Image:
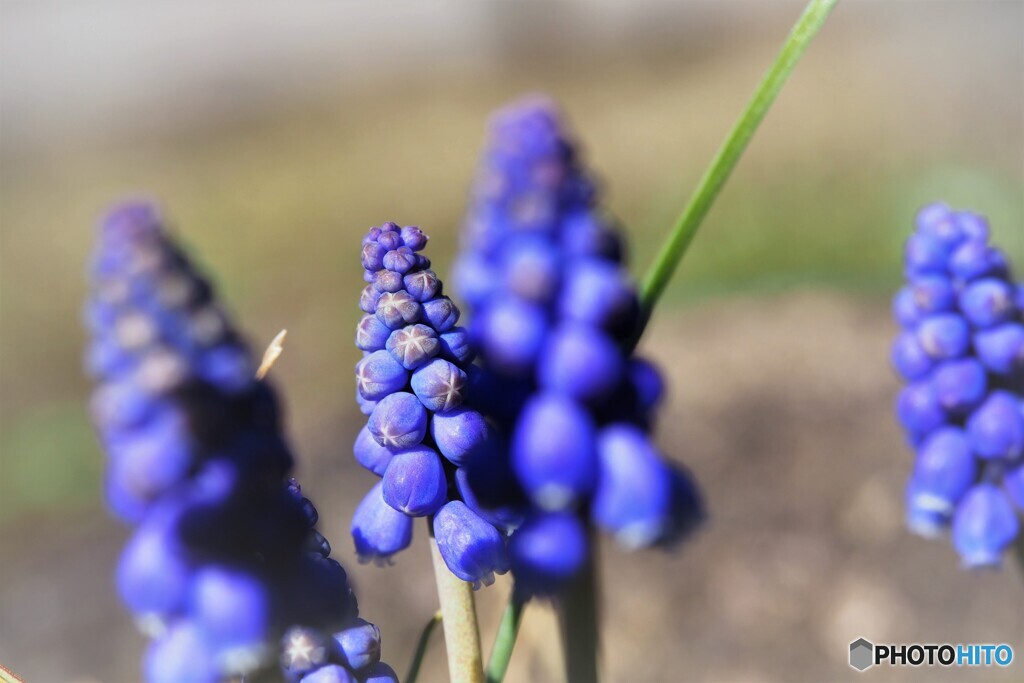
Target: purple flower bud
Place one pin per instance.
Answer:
(380, 673)
(598, 293)
(413, 346)
(687, 507)
(399, 421)
(987, 302)
(944, 470)
(227, 366)
(181, 655)
(546, 552)
(400, 260)
(332, 673)
(918, 408)
(397, 309)
(390, 241)
(1001, 348)
(531, 269)
(959, 384)
(984, 524)
(996, 427)
(553, 452)
(439, 385)
(378, 530)
(905, 310)
(580, 361)
(909, 358)
(973, 226)
(358, 645)
(441, 313)
(475, 279)
(371, 454)
(924, 520)
(975, 259)
(1013, 482)
(924, 254)
(945, 335)
(461, 434)
(303, 651)
(648, 382)
(456, 346)
(505, 517)
(938, 222)
(120, 403)
(633, 495)
(415, 482)
(230, 607)
(413, 237)
(152, 458)
(152, 574)
(933, 294)
(368, 299)
(372, 256)
(371, 334)
(423, 285)
(511, 334)
(380, 374)
(586, 234)
(388, 281)
(371, 235)
(471, 548)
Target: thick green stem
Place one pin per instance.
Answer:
(579, 619)
(458, 616)
(421, 648)
(501, 653)
(660, 272)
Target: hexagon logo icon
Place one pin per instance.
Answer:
(862, 654)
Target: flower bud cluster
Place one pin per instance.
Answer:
(553, 314)
(961, 352)
(413, 383)
(225, 555)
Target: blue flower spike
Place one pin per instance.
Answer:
(420, 427)
(226, 557)
(961, 348)
(552, 314)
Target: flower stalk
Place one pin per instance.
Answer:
(660, 272)
(579, 616)
(458, 616)
(505, 640)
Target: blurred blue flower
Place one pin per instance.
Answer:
(961, 350)
(225, 556)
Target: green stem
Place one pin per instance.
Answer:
(421, 648)
(579, 620)
(501, 653)
(660, 272)
(458, 616)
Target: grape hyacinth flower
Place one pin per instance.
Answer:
(225, 558)
(413, 382)
(961, 352)
(554, 312)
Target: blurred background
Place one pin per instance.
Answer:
(275, 134)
